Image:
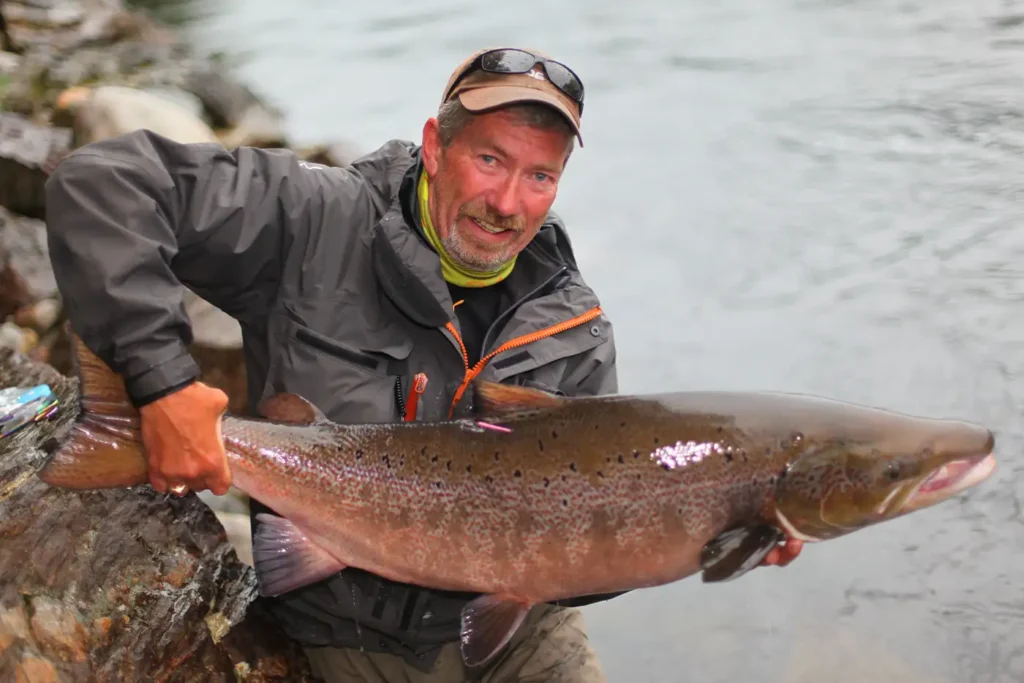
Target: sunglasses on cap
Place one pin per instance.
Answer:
(516, 61)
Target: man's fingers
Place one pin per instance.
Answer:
(782, 555)
(158, 482)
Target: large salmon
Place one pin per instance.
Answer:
(540, 498)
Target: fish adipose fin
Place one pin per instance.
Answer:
(286, 558)
(290, 409)
(488, 623)
(733, 553)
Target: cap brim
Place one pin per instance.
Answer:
(482, 99)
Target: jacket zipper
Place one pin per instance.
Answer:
(511, 309)
(471, 373)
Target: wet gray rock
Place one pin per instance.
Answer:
(240, 116)
(26, 277)
(120, 585)
(28, 152)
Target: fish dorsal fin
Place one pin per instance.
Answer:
(290, 409)
(494, 400)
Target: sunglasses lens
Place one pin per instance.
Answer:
(507, 61)
(565, 80)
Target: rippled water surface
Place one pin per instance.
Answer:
(822, 197)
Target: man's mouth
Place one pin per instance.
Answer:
(487, 227)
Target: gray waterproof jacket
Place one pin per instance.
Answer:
(339, 298)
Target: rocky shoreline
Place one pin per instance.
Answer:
(73, 72)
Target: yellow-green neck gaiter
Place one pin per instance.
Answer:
(452, 272)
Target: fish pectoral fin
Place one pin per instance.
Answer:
(488, 623)
(494, 400)
(733, 553)
(286, 558)
(290, 409)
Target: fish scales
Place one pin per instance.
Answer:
(563, 495)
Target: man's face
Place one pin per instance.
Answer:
(491, 189)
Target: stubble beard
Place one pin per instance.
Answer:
(462, 251)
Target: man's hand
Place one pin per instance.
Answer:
(781, 555)
(182, 435)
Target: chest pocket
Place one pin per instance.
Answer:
(353, 372)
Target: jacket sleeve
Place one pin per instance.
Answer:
(133, 220)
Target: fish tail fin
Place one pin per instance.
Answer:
(104, 446)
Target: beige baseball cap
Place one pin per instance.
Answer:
(482, 90)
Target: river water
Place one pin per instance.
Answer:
(815, 196)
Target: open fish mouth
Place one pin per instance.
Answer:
(952, 478)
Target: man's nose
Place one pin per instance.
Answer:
(505, 198)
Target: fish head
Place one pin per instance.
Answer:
(836, 486)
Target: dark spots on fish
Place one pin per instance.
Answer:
(437, 484)
(547, 482)
(892, 471)
(638, 477)
(655, 441)
(664, 466)
(469, 469)
(433, 458)
(518, 474)
(720, 429)
(359, 455)
(728, 456)
(767, 450)
(497, 454)
(600, 474)
(448, 465)
(563, 477)
(423, 451)
(540, 445)
(572, 466)
(622, 425)
(386, 460)
(636, 454)
(554, 434)
(489, 479)
(622, 460)
(401, 461)
(565, 503)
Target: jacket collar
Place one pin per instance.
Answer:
(409, 270)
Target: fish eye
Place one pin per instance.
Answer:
(892, 470)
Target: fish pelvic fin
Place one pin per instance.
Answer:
(285, 558)
(290, 409)
(104, 446)
(488, 623)
(494, 400)
(733, 553)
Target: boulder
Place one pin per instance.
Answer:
(123, 584)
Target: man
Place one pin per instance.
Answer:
(377, 291)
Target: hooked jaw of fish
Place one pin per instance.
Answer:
(842, 488)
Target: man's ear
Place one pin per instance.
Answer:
(431, 147)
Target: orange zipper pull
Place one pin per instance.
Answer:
(419, 385)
